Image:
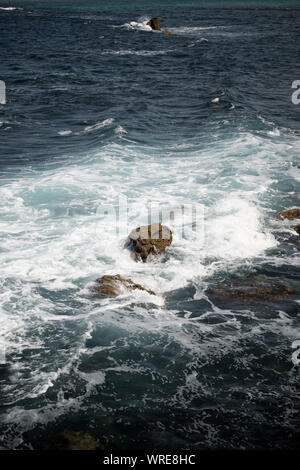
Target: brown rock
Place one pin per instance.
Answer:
(109, 286)
(74, 440)
(154, 23)
(297, 228)
(253, 288)
(290, 214)
(148, 241)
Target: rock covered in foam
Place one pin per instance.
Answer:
(147, 241)
(111, 286)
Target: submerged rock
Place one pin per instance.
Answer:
(154, 23)
(110, 286)
(254, 288)
(148, 241)
(74, 440)
(290, 214)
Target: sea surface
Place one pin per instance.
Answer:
(103, 113)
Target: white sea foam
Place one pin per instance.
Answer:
(65, 132)
(99, 125)
(10, 8)
(296, 354)
(198, 30)
(54, 241)
(274, 133)
(136, 52)
(87, 129)
(140, 24)
(119, 130)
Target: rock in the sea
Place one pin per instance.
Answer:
(254, 288)
(74, 440)
(111, 286)
(148, 241)
(154, 23)
(297, 228)
(290, 214)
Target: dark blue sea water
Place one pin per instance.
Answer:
(97, 107)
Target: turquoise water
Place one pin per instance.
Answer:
(99, 107)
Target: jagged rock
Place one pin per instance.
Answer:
(253, 288)
(154, 23)
(297, 228)
(74, 440)
(290, 214)
(110, 286)
(148, 241)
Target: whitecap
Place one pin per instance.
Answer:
(10, 8)
(296, 354)
(99, 125)
(119, 130)
(140, 24)
(135, 52)
(65, 132)
(274, 133)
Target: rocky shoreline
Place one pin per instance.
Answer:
(147, 243)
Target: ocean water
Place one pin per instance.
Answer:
(100, 109)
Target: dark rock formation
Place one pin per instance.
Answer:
(154, 23)
(297, 228)
(254, 288)
(290, 214)
(73, 440)
(109, 286)
(148, 241)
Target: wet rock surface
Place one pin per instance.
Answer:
(251, 289)
(112, 285)
(297, 228)
(73, 440)
(290, 214)
(148, 241)
(154, 23)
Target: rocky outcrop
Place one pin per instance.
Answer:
(154, 23)
(148, 241)
(290, 214)
(254, 288)
(297, 228)
(73, 440)
(111, 286)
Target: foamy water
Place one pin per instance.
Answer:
(97, 138)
